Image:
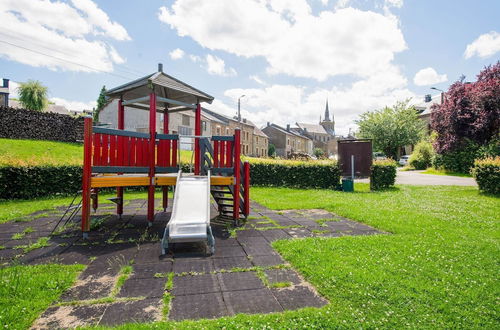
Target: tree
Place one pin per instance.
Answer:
(391, 128)
(101, 102)
(271, 150)
(318, 152)
(470, 113)
(33, 95)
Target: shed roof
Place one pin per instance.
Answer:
(164, 86)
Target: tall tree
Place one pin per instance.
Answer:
(391, 128)
(470, 112)
(101, 102)
(33, 95)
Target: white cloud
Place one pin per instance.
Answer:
(428, 76)
(31, 28)
(485, 45)
(287, 104)
(257, 80)
(394, 3)
(217, 66)
(342, 4)
(74, 105)
(291, 39)
(176, 54)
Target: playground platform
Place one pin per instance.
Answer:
(224, 284)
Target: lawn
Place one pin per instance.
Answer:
(436, 268)
(434, 171)
(26, 291)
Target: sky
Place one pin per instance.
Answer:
(286, 56)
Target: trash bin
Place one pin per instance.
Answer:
(348, 185)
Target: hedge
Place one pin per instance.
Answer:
(487, 174)
(295, 174)
(36, 125)
(462, 159)
(383, 174)
(25, 182)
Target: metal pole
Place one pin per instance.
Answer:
(352, 167)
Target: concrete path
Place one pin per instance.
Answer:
(417, 178)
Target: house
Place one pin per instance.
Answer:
(4, 93)
(424, 108)
(260, 142)
(286, 141)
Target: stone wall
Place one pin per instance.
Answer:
(34, 125)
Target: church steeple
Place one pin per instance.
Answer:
(327, 111)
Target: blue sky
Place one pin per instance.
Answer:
(286, 56)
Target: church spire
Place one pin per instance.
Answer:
(327, 111)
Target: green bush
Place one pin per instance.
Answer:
(462, 160)
(487, 174)
(421, 158)
(383, 174)
(37, 181)
(296, 174)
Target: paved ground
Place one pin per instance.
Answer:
(419, 179)
(245, 275)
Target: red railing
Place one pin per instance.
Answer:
(223, 151)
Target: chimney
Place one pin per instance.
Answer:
(160, 67)
(305, 129)
(268, 124)
(245, 120)
(288, 127)
(5, 83)
(427, 98)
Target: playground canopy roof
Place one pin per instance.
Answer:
(171, 93)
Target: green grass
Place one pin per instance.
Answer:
(40, 243)
(26, 291)
(21, 235)
(434, 171)
(437, 268)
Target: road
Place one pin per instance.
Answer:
(417, 178)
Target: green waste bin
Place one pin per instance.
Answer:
(348, 185)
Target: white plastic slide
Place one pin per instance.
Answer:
(190, 220)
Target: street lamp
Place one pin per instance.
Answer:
(442, 93)
(239, 113)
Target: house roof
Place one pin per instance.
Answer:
(210, 115)
(424, 108)
(221, 118)
(257, 130)
(164, 86)
(290, 132)
(312, 128)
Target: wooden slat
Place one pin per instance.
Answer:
(216, 153)
(214, 180)
(133, 141)
(96, 143)
(229, 153)
(119, 181)
(112, 150)
(175, 145)
(105, 150)
(221, 153)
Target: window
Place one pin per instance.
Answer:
(227, 131)
(257, 139)
(217, 129)
(186, 120)
(287, 141)
(204, 126)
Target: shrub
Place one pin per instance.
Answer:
(421, 158)
(487, 174)
(462, 159)
(296, 174)
(36, 181)
(383, 174)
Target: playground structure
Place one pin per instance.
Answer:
(118, 158)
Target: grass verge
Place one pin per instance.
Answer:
(26, 291)
(434, 171)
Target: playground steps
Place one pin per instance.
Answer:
(223, 196)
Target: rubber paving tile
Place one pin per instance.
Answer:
(140, 311)
(298, 297)
(282, 275)
(149, 270)
(197, 306)
(193, 265)
(265, 261)
(206, 283)
(251, 301)
(143, 287)
(239, 281)
(231, 262)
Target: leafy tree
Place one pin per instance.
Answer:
(391, 128)
(470, 113)
(271, 150)
(101, 102)
(318, 152)
(421, 158)
(33, 95)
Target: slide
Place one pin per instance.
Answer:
(190, 220)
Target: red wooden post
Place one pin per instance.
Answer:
(121, 125)
(152, 158)
(221, 153)
(237, 175)
(197, 132)
(166, 156)
(246, 188)
(87, 173)
(229, 157)
(175, 144)
(216, 153)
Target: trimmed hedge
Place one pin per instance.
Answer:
(27, 182)
(487, 174)
(383, 174)
(295, 174)
(35, 125)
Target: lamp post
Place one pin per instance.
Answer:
(239, 113)
(442, 93)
